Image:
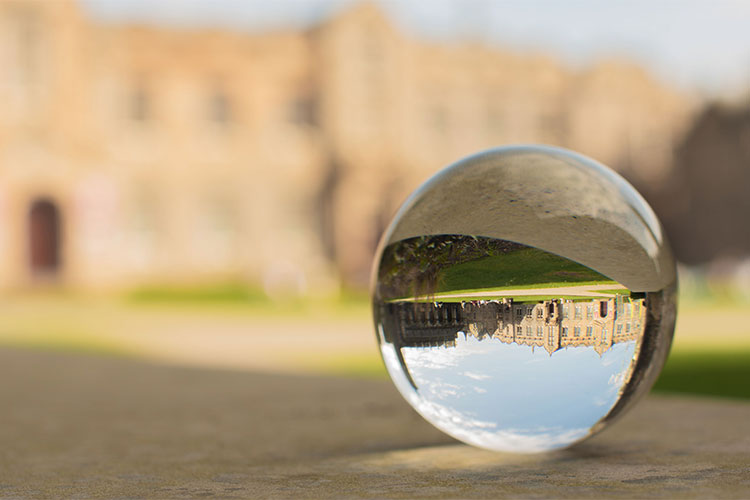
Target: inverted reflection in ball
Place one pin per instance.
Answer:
(524, 298)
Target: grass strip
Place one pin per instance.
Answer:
(709, 373)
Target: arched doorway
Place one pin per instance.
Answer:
(44, 238)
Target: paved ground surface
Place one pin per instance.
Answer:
(80, 426)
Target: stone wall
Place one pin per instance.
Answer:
(196, 155)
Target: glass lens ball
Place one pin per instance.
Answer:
(524, 298)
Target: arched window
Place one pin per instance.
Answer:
(220, 108)
(303, 110)
(140, 104)
(44, 237)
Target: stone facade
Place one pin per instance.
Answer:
(559, 324)
(133, 154)
(550, 324)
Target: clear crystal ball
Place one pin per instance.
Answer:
(524, 297)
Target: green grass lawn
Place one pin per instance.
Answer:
(710, 373)
(524, 268)
(518, 299)
(216, 293)
(239, 298)
(615, 291)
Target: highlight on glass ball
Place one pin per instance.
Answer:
(524, 298)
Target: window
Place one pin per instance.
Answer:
(627, 328)
(589, 312)
(140, 104)
(539, 331)
(589, 331)
(566, 312)
(529, 331)
(602, 309)
(519, 311)
(578, 312)
(220, 109)
(529, 310)
(577, 331)
(604, 335)
(304, 111)
(565, 331)
(619, 329)
(519, 330)
(540, 312)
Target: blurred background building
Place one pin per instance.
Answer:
(134, 154)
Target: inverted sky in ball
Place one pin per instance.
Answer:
(524, 298)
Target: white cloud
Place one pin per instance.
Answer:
(460, 390)
(475, 376)
(483, 434)
(433, 358)
(618, 379)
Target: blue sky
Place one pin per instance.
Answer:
(696, 44)
(508, 396)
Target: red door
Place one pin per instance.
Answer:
(44, 237)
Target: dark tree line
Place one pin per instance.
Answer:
(413, 266)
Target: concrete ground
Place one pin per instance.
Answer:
(84, 426)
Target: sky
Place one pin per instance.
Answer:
(508, 396)
(698, 45)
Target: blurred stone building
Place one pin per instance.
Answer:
(134, 154)
(704, 203)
